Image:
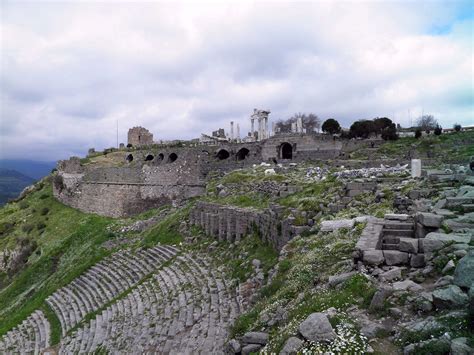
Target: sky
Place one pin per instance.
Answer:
(70, 70)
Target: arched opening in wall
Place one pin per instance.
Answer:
(286, 151)
(222, 154)
(149, 157)
(160, 157)
(129, 158)
(242, 154)
(172, 157)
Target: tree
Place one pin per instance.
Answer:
(331, 126)
(362, 129)
(310, 121)
(382, 123)
(438, 130)
(418, 133)
(427, 123)
(390, 133)
(457, 127)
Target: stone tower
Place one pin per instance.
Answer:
(138, 136)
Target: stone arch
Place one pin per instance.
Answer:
(129, 158)
(222, 154)
(149, 157)
(242, 154)
(161, 157)
(172, 157)
(286, 151)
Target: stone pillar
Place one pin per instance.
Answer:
(415, 168)
(252, 130)
(222, 224)
(238, 133)
(300, 124)
(231, 130)
(266, 127)
(293, 127)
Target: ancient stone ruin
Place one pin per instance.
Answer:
(139, 136)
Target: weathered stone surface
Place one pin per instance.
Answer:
(435, 241)
(396, 217)
(394, 257)
(317, 328)
(449, 297)
(390, 275)
(338, 279)
(464, 273)
(233, 346)
(409, 245)
(406, 285)
(373, 257)
(379, 298)
(417, 260)
(291, 347)
(448, 267)
(459, 346)
(251, 348)
(329, 226)
(255, 338)
(429, 219)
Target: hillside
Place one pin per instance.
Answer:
(31, 168)
(11, 184)
(182, 278)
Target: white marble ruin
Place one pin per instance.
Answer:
(415, 168)
(262, 121)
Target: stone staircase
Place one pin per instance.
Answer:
(30, 337)
(394, 230)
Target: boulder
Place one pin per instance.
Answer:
(459, 346)
(429, 219)
(395, 257)
(338, 279)
(390, 275)
(251, 348)
(417, 260)
(449, 297)
(435, 241)
(379, 298)
(255, 338)
(464, 272)
(291, 347)
(407, 285)
(317, 328)
(408, 245)
(448, 267)
(373, 257)
(329, 226)
(233, 346)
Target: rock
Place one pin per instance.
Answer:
(223, 193)
(329, 226)
(395, 312)
(396, 217)
(291, 347)
(429, 219)
(394, 257)
(449, 297)
(407, 285)
(460, 253)
(373, 257)
(417, 260)
(423, 347)
(317, 328)
(409, 245)
(233, 346)
(255, 338)
(251, 348)
(435, 241)
(464, 273)
(256, 263)
(371, 329)
(270, 172)
(338, 279)
(444, 281)
(379, 298)
(448, 267)
(393, 274)
(459, 346)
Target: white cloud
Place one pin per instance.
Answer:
(70, 70)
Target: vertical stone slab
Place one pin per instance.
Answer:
(415, 168)
(222, 224)
(230, 225)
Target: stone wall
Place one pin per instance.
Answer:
(139, 136)
(232, 223)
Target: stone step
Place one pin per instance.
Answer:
(386, 246)
(398, 232)
(398, 225)
(469, 207)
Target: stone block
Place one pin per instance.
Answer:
(429, 219)
(317, 328)
(396, 217)
(417, 260)
(450, 297)
(394, 257)
(435, 241)
(415, 168)
(329, 226)
(408, 245)
(373, 257)
(464, 273)
(255, 338)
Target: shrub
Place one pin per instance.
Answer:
(331, 126)
(44, 211)
(23, 205)
(44, 196)
(418, 133)
(6, 227)
(40, 226)
(438, 130)
(457, 127)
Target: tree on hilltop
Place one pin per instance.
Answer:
(362, 129)
(427, 123)
(331, 126)
(457, 127)
(311, 122)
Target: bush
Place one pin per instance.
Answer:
(457, 127)
(27, 228)
(40, 226)
(331, 126)
(438, 130)
(44, 211)
(6, 227)
(23, 205)
(418, 133)
(44, 196)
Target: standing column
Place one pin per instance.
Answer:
(266, 127)
(252, 130)
(238, 133)
(231, 130)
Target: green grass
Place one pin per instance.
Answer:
(55, 325)
(166, 231)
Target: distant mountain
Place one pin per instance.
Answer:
(12, 183)
(30, 168)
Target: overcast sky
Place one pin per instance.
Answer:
(69, 70)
